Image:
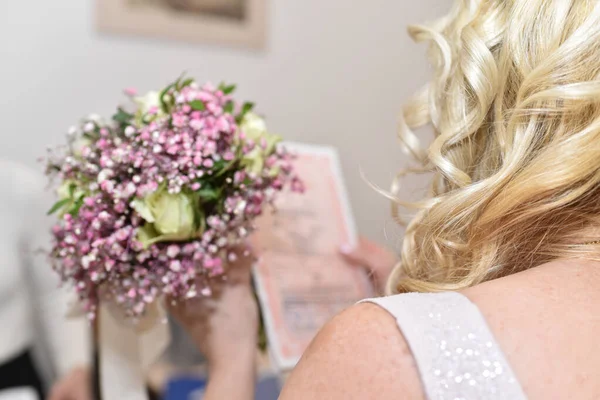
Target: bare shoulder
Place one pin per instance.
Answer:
(544, 319)
(359, 354)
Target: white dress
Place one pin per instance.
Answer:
(454, 349)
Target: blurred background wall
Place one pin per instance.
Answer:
(334, 72)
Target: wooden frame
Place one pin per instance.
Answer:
(164, 21)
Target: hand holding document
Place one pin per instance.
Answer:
(301, 280)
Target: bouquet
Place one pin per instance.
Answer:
(152, 202)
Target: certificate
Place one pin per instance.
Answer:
(300, 278)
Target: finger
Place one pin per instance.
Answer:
(239, 266)
(196, 306)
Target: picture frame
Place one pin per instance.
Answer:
(238, 23)
(296, 294)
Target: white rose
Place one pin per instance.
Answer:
(253, 126)
(149, 102)
(255, 129)
(146, 102)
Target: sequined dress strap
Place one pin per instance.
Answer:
(455, 351)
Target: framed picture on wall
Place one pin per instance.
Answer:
(240, 23)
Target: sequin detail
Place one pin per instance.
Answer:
(457, 355)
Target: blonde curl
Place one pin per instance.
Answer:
(515, 106)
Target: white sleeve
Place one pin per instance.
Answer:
(68, 339)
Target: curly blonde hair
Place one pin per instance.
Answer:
(515, 107)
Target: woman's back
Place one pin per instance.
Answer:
(546, 321)
(542, 319)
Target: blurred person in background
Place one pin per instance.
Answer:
(497, 291)
(30, 293)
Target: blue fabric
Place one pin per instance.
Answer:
(182, 388)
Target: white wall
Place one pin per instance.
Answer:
(334, 72)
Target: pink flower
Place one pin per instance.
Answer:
(175, 266)
(214, 108)
(179, 120)
(173, 149)
(107, 186)
(122, 234)
(196, 124)
(205, 96)
(223, 124)
(120, 207)
(173, 251)
(130, 91)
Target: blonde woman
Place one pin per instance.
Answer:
(498, 289)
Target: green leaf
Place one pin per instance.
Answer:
(223, 166)
(218, 165)
(199, 216)
(58, 205)
(147, 118)
(208, 194)
(228, 89)
(186, 83)
(122, 116)
(197, 105)
(89, 136)
(161, 97)
(166, 90)
(228, 107)
(246, 108)
(202, 225)
(78, 203)
(177, 83)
